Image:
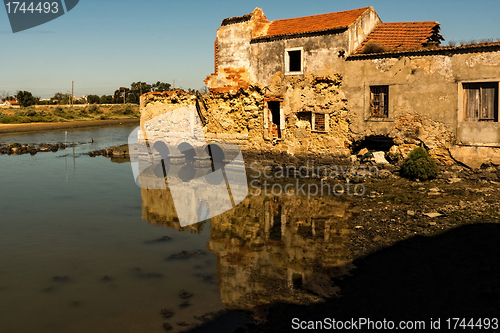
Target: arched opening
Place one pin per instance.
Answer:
(188, 151)
(373, 143)
(162, 149)
(161, 169)
(217, 159)
(217, 156)
(187, 172)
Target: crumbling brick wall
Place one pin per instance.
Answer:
(240, 115)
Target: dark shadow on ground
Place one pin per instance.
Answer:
(454, 274)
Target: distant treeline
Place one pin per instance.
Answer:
(122, 95)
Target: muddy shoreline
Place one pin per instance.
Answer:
(38, 127)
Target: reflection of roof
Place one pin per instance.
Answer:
(397, 36)
(314, 23)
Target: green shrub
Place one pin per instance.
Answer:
(419, 165)
(63, 113)
(125, 110)
(94, 109)
(28, 112)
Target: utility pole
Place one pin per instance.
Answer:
(72, 91)
(173, 88)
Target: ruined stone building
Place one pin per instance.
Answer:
(322, 83)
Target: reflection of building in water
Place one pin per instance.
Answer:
(158, 208)
(271, 249)
(280, 249)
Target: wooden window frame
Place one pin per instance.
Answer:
(326, 122)
(375, 101)
(473, 111)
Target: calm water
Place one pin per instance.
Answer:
(82, 218)
(80, 247)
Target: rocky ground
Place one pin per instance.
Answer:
(421, 249)
(392, 208)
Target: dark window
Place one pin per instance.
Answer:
(294, 61)
(319, 122)
(379, 101)
(275, 121)
(481, 101)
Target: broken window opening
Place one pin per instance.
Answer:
(297, 281)
(379, 101)
(275, 120)
(481, 101)
(275, 230)
(294, 61)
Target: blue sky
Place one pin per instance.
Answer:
(102, 45)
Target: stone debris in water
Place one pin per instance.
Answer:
(167, 327)
(185, 304)
(186, 255)
(163, 239)
(15, 148)
(64, 278)
(184, 294)
(167, 312)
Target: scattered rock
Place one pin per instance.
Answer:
(411, 212)
(14, 148)
(363, 152)
(379, 157)
(117, 153)
(384, 174)
(454, 180)
(433, 214)
(489, 176)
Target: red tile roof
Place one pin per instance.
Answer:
(398, 36)
(314, 23)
